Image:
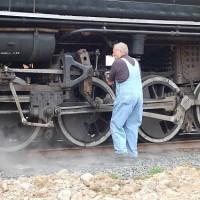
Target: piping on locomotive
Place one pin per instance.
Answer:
(53, 61)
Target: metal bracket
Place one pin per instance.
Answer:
(23, 119)
(187, 102)
(68, 62)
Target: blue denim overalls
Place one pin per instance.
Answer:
(127, 112)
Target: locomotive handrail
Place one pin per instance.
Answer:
(105, 30)
(97, 19)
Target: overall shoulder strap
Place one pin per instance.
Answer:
(128, 63)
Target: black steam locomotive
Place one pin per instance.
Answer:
(53, 55)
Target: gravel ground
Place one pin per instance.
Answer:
(12, 166)
(91, 176)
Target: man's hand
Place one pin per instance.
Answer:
(107, 78)
(106, 73)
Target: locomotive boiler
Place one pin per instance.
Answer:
(53, 55)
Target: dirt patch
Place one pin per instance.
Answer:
(181, 183)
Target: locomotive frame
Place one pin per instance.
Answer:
(52, 68)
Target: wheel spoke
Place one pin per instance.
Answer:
(154, 92)
(162, 93)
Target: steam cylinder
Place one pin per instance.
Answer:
(26, 47)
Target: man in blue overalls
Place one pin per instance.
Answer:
(127, 111)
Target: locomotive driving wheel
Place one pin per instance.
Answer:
(88, 129)
(153, 129)
(13, 134)
(196, 109)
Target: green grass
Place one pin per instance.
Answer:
(156, 170)
(152, 171)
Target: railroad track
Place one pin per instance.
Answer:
(109, 150)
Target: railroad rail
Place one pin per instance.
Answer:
(108, 149)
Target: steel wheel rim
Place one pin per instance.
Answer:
(196, 109)
(106, 131)
(160, 126)
(12, 143)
